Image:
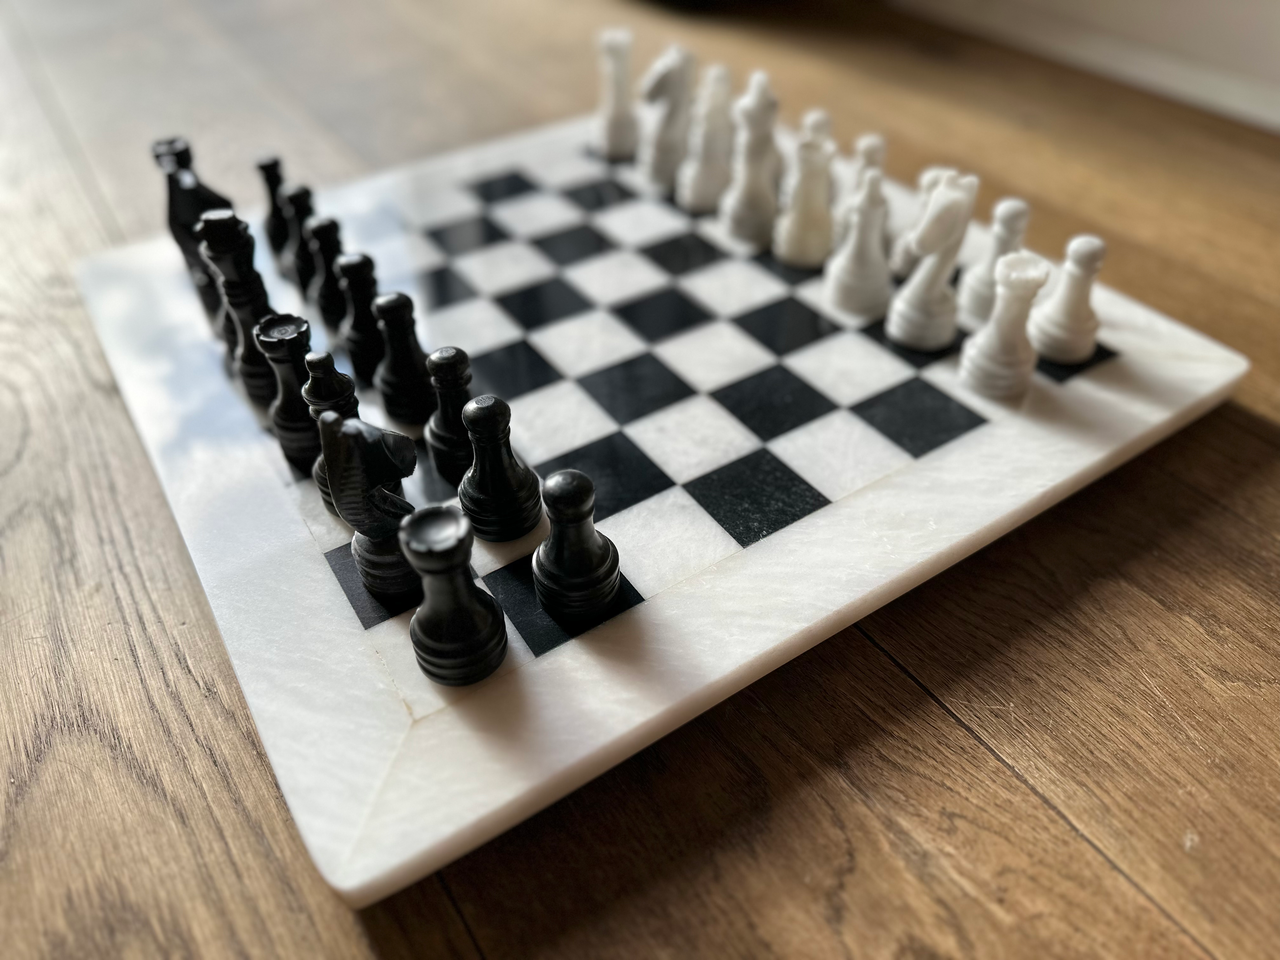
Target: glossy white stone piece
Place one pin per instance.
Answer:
(977, 294)
(704, 174)
(750, 204)
(998, 360)
(617, 130)
(1065, 327)
(667, 91)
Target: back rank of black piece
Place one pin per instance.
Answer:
(286, 341)
(459, 634)
(401, 377)
(362, 462)
(227, 244)
(327, 389)
(188, 199)
(575, 570)
(359, 332)
(276, 225)
(326, 291)
(447, 437)
(296, 261)
(498, 492)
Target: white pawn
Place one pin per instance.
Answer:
(857, 278)
(1064, 328)
(998, 360)
(617, 133)
(978, 283)
(868, 154)
(704, 174)
(750, 204)
(802, 235)
(923, 314)
(668, 85)
(902, 259)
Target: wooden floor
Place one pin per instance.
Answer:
(1067, 745)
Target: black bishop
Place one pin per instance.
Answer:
(447, 438)
(325, 290)
(296, 261)
(276, 226)
(359, 332)
(401, 377)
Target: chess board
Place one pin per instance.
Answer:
(770, 470)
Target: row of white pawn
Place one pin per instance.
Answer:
(720, 156)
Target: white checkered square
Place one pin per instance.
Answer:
(586, 343)
(733, 287)
(714, 355)
(555, 419)
(848, 367)
(503, 267)
(638, 223)
(434, 207)
(838, 453)
(813, 293)
(572, 171)
(692, 437)
(475, 326)
(533, 214)
(403, 256)
(615, 277)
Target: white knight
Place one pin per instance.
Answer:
(668, 88)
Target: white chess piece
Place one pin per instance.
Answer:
(857, 279)
(668, 87)
(704, 174)
(978, 283)
(998, 360)
(868, 154)
(617, 133)
(802, 234)
(814, 125)
(902, 260)
(923, 313)
(1064, 328)
(749, 205)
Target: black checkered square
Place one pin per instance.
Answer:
(511, 371)
(463, 236)
(540, 304)
(662, 314)
(773, 402)
(755, 496)
(599, 194)
(502, 187)
(917, 416)
(623, 475)
(786, 325)
(634, 388)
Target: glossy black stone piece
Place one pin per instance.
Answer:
(227, 245)
(499, 493)
(446, 434)
(188, 199)
(327, 389)
(286, 341)
(459, 635)
(402, 377)
(276, 225)
(325, 241)
(296, 262)
(359, 331)
(575, 570)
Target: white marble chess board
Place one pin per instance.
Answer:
(770, 470)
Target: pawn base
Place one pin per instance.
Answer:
(456, 664)
(581, 602)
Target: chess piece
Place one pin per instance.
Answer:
(802, 234)
(668, 86)
(998, 360)
(296, 262)
(815, 126)
(704, 174)
(857, 279)
(327, 389)
(227, 245)
(618, 130)
(902, 257)
(359, 331)
(362, 462)
(401, 377)
(1064, 329)
(498, 492)
(276, 226)
(188, 199)
(459, 634)
(749, 205)
(325, 242)
(923, 313)
(868, 155)
(978, 283)
(575, 570)
(447, 437)
(286, 341)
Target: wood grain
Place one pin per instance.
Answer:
(1064, 746)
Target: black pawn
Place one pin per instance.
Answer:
(359, 332)
(498, 492)
(276, 226)
(459, 635)
(325, 291)
(188, 199)
(227, 244)
(447, 438)
(401, 377)
(363, 462)
(327, 389)
(575, 570)
(296, 261)
(286, 341)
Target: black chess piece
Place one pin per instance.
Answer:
(327, 388)
(447, 437)
(498, 492)
(228, 245)
(575, 570)
(325, 291)
(359, 332)
(401, 377)
(362, 461)
(276, 226)
(286, 341)
(188, 199)
(296, 262)
(459, 634)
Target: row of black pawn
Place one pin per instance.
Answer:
(458, 632)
